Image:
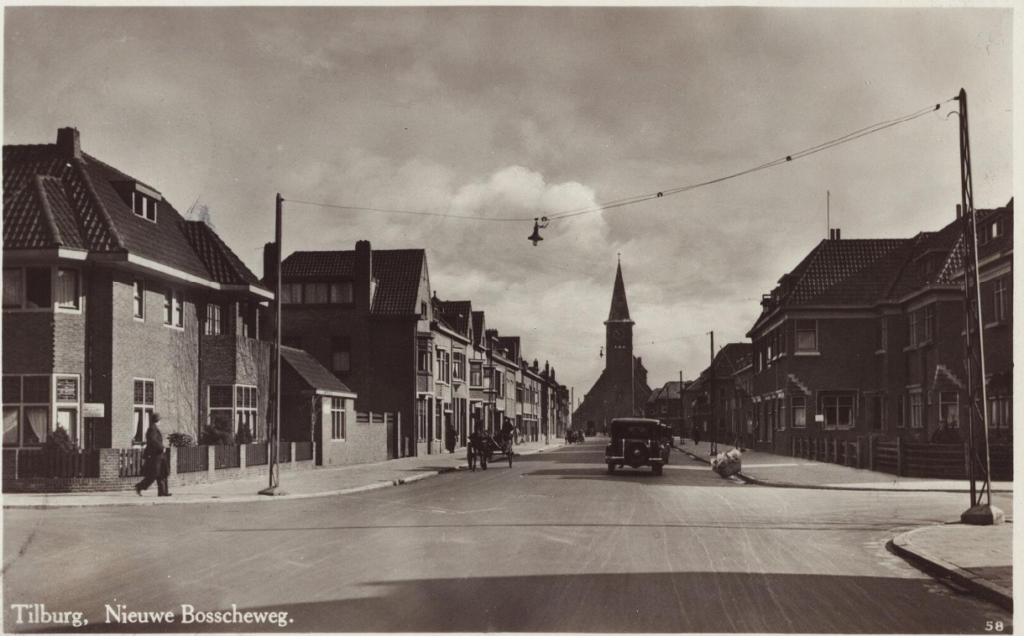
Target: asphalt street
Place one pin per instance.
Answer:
(553, 544)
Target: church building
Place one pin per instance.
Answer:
(622, 389)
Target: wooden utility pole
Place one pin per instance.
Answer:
(273, 487)
(711, 381)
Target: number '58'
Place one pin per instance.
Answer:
(993, 626)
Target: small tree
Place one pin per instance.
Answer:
(244, 435)
(217, 434)
(59, 442)
(179, 439)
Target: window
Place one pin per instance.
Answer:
(912, 328)
(316, 293)
(798, 404)
(143, 403)
(26, 401)
(173, 307)
(664, 409)
(929, 323)
(66, 392)
(519, 392)
(423, 361)
(67, 288)
(949, 408)
(423, 311)
(916, 411)
(459, 366)
(337, 418)
(341, 353)
(30, 288)
(1000, 413)
(291, 293)
(213, 324)
(246, 409)
(247, 320)
(475, 374)
(838, 410)
(221, 406)
(139, 299)
(883, 334)
(1002, 298)
(14, 287)
(341, 293)
(144, 206)
(422, 418)
(443, 366)
(806, 335)
(499, 383)
(901, 412)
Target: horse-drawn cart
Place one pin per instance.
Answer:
(484, 447)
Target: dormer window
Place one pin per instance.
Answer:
(144, 206)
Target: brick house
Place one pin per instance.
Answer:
(366, 316)
(457, 319)
(667, 404)
(865, 337)
(729, 394)
(115, 307)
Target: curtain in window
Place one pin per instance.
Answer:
(12, 288)
(11, 425)
(37, 424)
(316, 293)
(68, 420)
(67, 288)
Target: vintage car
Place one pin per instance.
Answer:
(638, 442)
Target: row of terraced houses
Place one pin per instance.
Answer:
(115, 307)
(863, 338)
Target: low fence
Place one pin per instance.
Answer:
(935, 461)
(108, 469)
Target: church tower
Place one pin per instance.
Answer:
(618, 328)
(622, 389)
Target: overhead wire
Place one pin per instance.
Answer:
(618, 203)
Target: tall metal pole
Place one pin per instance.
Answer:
(979, 513)
(714, 420)
(275, 432)
(681, 407)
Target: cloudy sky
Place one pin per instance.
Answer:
(518, 112)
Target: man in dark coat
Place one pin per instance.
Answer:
(155, 466)
(449, 437)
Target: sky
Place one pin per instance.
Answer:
(520, 112)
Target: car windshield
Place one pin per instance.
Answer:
(632, 430)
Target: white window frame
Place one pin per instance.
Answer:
(1000, 414)
(945, 403)
(929, 323)
(174, 308)
(801, 409)
(214, 323)
(339, 423)
(143, 408)
(21, 405)
(246, 414)
(76, 307)
(916, 407)
(999, 299)
(826, 396)
(458, 366)
(51, 273)
(139, 299)
(479, 366)
(148, 205)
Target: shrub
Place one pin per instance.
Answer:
(243, 436)
(217, 434)
(59, 442)
(179, 439)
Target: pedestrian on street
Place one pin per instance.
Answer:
(155, 466)
(449, 437)
(695, 434)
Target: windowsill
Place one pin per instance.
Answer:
(174, 327)
(781, 355)
(909, 348)
(925, 344)
(138, 319)
(880, 352)
(27, 310)
(339, 440)
(997, 323)
(807, 354)
(68, 310)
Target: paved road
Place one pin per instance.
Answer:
(552, 544)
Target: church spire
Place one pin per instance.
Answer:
(620, 309)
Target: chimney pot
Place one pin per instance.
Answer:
(68, 143)
(839, 235)
(959, 211)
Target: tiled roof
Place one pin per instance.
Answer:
(311, 372)
(511, 345)
(398, 274)
(222, 263)
(46, 190)
(670, 391)
(847, 272)
(478, 327)
(458, 313)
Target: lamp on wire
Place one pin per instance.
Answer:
(538, 225)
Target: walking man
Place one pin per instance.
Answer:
(155, 466)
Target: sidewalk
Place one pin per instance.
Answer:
(783, 471)
(305, 484)
(978, 558)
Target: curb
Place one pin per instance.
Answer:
(258, 498)
(903, 546)
(757, 481)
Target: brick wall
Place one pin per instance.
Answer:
(363, 443)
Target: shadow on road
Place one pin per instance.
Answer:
(653, 602)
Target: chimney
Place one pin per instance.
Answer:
(68, 144)
(959, 211)
(270, 265)
(363, 275)
(839, 235)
